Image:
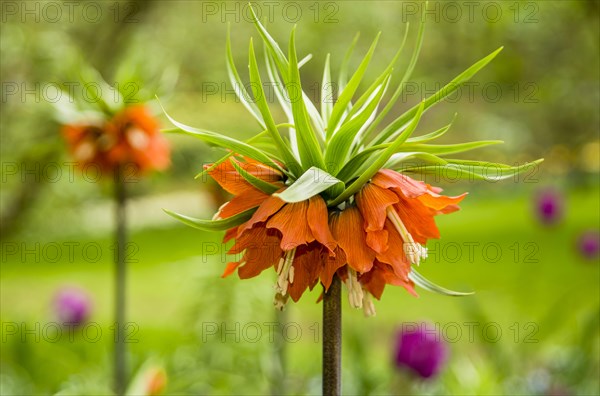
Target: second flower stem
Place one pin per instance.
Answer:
(120, 367)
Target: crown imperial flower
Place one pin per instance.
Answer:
(328, 193)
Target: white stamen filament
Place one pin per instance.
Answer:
(280, 265)
(355, 292)
(368, 306)
(285, 278)
(414, 251)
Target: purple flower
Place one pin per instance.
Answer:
(549, 206)
(72, 306)
(420, 348)
(589, 244)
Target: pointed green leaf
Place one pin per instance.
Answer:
(257, 182)
(213, 166)
(263, 106)
(304, 60)
(399, 158)
(445, 149)
(394, 128)
(343, 77)
(405, 78)
(281, 98)
(341, 142)
(213, 225)
(254, 139)
(310, 152)
(326, 92)
(223, 141)
(382, 77)
(315, 117)
(278, 55)
(421, 281)
(475, 170)
(379, 161)
(432, 135)
(358, 162)
(346, 95)
(238, 86)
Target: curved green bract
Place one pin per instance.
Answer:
(213, 225)
(421, 281)
(256, 182)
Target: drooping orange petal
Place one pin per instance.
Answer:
(331, 265)
(373, 201)
(249, 199)
(267, 208)
(418, 219)
(347, 229)
(230, 234)
(378, 240)
(449, 209)
(394, 255)
(261, 252)
(392, 279)
(318, 222)
(440, 202)
(411, 188)
(230, 268)
(260, 170)
(435, 189)
(256, 237)
(228, 177)
(292, 222)
(307, 264)
(231, 180)
(375, 280)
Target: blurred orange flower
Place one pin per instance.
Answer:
(132, 136)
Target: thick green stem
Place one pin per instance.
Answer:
(332, 339)
(120, 367)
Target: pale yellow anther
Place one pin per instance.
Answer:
(285, 270)
(355, 292)
(414, 251)
(367, 303)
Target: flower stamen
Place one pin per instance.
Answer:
(368, 306)
(355, 292)
(413, 250)
(285, 278)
